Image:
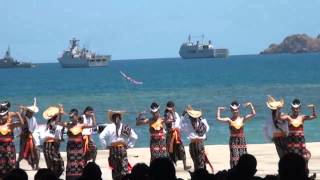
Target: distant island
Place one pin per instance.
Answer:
(298, 43)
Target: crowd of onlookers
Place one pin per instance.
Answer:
(290, 167)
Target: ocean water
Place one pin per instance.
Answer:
(203, 83)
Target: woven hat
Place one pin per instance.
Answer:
(34, 108)
(273, 104)
(111, 113)
(154, 107)
(50, 112)
(193, 113)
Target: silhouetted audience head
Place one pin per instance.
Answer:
(140, 171)
(91, 171)
(247, 165)
(45, 174)
(292, 166)
(16, 174)
(162, 168)
(245, 169)
(199, 174)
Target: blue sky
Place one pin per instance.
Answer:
(39, 30)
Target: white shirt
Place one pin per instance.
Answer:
(32, 124)
(177, 123)
(188, 130)
(88, 121)
(50, 134)
(39, 134)
(109, 136)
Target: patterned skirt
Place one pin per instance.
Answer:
(118, 161)
(238, 147)
(158, 147)
(7, 155)
(296, 144)
(53, 158)
(178, 149)
(28, 150)
(90, 149)
(281, 145)
(75, 158)
(197, 154)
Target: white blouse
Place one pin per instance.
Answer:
(88, 121)
(109, 136)
(188, 130)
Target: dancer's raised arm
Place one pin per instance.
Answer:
(313, 113)
(222, 119)
(251, 114)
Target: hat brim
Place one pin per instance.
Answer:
(111, 113)
(155, 109)
(50, 112)
(194, 113)
(33, 109)
(4, 113)
(295, 105)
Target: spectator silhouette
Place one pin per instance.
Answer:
(292, 167)
(162, 168)
(45, 174)
(245, 169)
(16, 174)
(91, 171)
(140, 171)
(200, 174)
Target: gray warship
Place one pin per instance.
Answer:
(80, 57)
(190, 50)
(9, 62)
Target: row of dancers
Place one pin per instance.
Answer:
(286, 131)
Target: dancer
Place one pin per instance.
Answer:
(28, 148)
(196, 127)
(275, 129)
(7, 147)
(52, 139)
(296, 140)
(157, 133)
(237, 141)
(175, 146)
(118, 137)
(90, 148)
(75, 146)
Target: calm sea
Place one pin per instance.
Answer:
(205, 84)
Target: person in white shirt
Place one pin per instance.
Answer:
(175, 146)
(90, 148)
(52, 137)
(275, 129)
(195, 127)
(118, 137)
(28, 148)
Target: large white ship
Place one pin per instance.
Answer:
(81, 57)
(189, 50)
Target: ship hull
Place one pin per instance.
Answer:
(68, 62)
(214, 53)
(24, 65)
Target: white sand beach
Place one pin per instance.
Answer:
(218, 155)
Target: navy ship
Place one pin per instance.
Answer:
(9, 62)
(81, 57)
(189, 50)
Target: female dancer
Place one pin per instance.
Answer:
(75, 146)
(237, 141)
(275, 129)
(7, 147)
(118, 137)
(157, 134)
(53, 136)
(296, 140)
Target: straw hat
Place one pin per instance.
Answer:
(34, 108)
(50, 112)
(193, 113)
(273, 104)
(111, 113)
